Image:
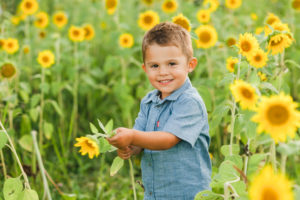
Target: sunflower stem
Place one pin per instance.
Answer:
(12, 148)
(41, 166)
(283, 163)
(73, 125)
(3, 165)
(41, 109)
(132, 178)
(273, 155)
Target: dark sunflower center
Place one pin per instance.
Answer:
(148, 19)
(89, 145)
(257, 58)
(42, 34)
(40, 20)
(111, 4)
(205, 37)
(28, 5)
(277, 114)
(232, 1)
(125, 40)
(296, 4)
(59, 18)
(269, 194)
(169, 5)
(246, 93)
(232, 65)
(8, 70)
(246, 46)
(271, 20)
(1, 43)
(276, 42)
(45, 59)
(75, 33)
(230, 42)
(87, 32)
(10, 45)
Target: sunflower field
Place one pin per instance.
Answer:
(70, 72)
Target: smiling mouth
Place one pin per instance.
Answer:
(166, 81)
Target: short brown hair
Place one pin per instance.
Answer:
(168, 33)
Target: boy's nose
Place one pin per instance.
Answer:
(163, 70)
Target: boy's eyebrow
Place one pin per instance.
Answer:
(153, 62)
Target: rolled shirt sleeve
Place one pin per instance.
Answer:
(187, 120)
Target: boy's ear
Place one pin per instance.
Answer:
(192, 64)
(144, 67)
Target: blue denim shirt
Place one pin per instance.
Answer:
(182, 171)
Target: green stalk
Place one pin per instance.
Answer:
(41, 110)
(12, 148)
(273, 155)
(73, 125)
(132, 178)
(41, 166)
(283, 163)
(3, 164)
(233, 109)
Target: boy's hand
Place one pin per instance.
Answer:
(125, 153)
(122, 139)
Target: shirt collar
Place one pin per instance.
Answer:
(154, 97)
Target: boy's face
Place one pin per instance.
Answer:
(167, 68)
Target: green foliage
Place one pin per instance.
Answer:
(116, 165)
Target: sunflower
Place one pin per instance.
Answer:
(233, 4)
(42, 20)
(148, 2)
(87, 145)
(42, 34)
(277, 115)
(278, 43)
(26, 49)
(182, 21)
(148, 19)
(230, 63)
(60, 19)
(262, 76)
(126, 40)
(259, 30)
(230, 41)
(29, 7)
(244, 93)
(296, 5)
(169, 6)
(207, 36)
(15, 20)
(268, 185)
(8, 71)
(76, 34)
(89, 32)
(111, 6)
(247, 44)
(253, 16)
(211, 5)
(258, 59)
(203, 16)
(11, 45)
(271, 18)
(277, 26)
(46, 58)
(2, 41)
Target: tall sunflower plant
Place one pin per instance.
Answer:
(96, 143)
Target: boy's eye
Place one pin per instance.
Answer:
(172, 63)
(154, 66)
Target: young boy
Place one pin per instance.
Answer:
(171, 127)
